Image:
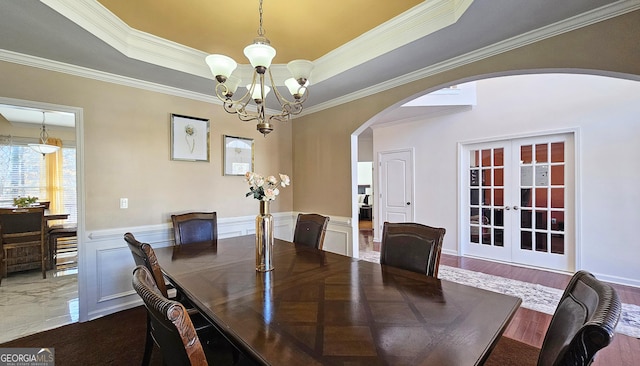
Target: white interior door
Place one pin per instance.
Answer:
(518, 201)
(396, 186)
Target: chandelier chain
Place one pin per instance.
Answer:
(260, 30)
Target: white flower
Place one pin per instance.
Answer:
(265, 189)
(284, 180)
(270, 194)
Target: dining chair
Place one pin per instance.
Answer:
(310, 230)
(143, 255)
(22, 236)
(412, 246)
(584, 323)
(195, 227)
(172, 329)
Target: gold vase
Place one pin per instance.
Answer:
(264, 239)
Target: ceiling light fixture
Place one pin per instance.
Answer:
(44, 148)
(260, 54)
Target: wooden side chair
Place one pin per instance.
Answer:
(172, 329)
(412, 246)
(195, 227)
(23, 240)
(143, 255)
(310, 230)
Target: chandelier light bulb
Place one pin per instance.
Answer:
(300, 70)
(295, 88)
(260, 54)
(221, 66)
(256, 94)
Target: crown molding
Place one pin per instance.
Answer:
(421, 20)
(50, 65)
(597, 15)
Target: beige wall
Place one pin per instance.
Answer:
(322, 145)
(127, 149)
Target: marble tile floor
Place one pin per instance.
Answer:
(30, 304)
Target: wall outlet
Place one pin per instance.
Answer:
(124, 203)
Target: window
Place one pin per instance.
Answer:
(20, 172)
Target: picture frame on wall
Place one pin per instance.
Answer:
(238, 155)
(189, 138)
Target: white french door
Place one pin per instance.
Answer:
(518, 201)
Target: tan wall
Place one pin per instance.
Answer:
(127, 150)
(322, 145)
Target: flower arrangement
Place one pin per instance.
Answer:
(24, 201)
(265, 189)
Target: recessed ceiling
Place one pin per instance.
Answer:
(297, 29)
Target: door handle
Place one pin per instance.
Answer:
(516, 208)
(408, 203)
(507, 208)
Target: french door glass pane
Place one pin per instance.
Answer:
(542, 187)
(486, 196)
(541, 153)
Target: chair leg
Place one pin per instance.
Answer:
(148, 344)
(43, 261)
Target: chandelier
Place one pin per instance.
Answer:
(44, 148)
(260, 54)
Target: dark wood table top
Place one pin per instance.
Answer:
(319, 308)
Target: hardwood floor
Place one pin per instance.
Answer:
(530, 326)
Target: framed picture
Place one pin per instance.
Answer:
(189, 138)
(238, 155)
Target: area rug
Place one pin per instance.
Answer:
(535, 297)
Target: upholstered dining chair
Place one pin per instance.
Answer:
(23, 232)
(584, 323)
(143, 255)
(172, 329)
(412, 246)
(195, 227)
(310, 230)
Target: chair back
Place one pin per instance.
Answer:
(584, 322)
(171, 326)
(310, 230)
(23, 239)
(144, 255)
(195, 227)
(412, 246)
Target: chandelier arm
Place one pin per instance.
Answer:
(222, 90)
(280, 98)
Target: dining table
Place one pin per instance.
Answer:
(320, 308)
